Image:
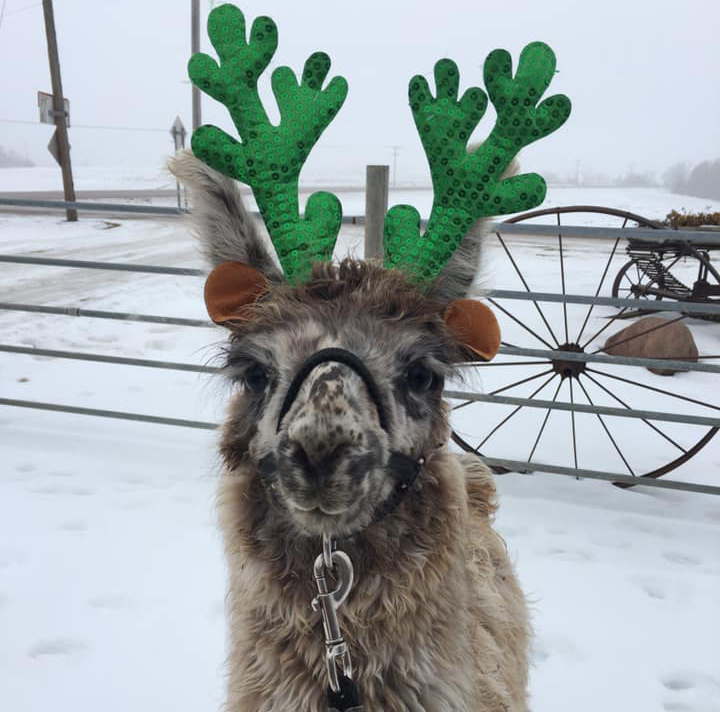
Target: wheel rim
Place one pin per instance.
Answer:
(631, 282)
(555, 378)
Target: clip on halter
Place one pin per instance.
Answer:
(343, 695)
(328, 602)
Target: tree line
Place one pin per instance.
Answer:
(10, 159)
(703, 181)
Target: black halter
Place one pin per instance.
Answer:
(402, 468)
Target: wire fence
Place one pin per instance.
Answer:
(551, 355)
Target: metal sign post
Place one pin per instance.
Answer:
(60, 141)
(178, 133)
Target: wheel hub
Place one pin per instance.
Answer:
(565, 367)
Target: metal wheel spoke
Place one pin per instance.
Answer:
(512, 385)
(625, 405)
(594, 336)
(518, 383)
(462, 405)
(527, 289)
(516, 320)
(653, 388)
(562, 280)
(642, 333)
(673, 263)
(505, 420)
(607, 430)
(572, 420)
(544, 423)
(597, 291)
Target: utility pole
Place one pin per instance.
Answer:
(195, 47)
(61, 134)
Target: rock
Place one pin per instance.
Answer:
(673, 341)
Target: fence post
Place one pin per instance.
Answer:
(376, 204)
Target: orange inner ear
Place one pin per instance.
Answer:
(475, 326)
(231, 287)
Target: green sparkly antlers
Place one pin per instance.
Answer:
(270, 158)
(467, 186)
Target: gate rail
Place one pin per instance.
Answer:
(539, 230)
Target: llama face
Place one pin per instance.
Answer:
(326, 463)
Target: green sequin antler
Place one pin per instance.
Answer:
(467, 186)
(270, 158)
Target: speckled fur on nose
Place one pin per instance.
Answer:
(333, 408)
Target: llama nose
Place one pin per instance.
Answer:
(316, 447)
(320, 462)
(328, 420)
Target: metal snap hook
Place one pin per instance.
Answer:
(328, 602)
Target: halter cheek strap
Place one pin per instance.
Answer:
(402, 468)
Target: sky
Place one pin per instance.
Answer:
(642, 76)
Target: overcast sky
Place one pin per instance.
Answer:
(643, 76)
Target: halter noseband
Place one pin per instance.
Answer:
(338, 356)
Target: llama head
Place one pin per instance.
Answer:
(334, 440)
(339, 393)
(340, 369)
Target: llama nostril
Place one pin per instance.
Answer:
(301, 458)
(320, 463)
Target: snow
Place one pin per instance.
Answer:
(652, 203)
(86, 178)
(111, 571)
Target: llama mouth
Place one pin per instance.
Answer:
(319, 509)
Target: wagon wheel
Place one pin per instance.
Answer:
(632, 282)
(639, 447)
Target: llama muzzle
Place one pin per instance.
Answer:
(326, 440)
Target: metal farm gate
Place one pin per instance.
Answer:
(551, 333)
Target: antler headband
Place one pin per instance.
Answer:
(466, 186)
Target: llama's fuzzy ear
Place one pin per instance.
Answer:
(230, 288)
(224, 229)
(475, 326)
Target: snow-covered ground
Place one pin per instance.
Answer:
(111, 575)
(652, 203)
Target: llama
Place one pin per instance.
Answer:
(337, 427)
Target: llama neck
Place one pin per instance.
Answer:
(417, 542)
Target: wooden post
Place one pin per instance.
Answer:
(376, 204)
(195, 47)
(63, 143)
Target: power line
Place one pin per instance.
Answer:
(156, 130)
(18, 10)
(87, 126)
(25, 7)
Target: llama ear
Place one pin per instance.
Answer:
(475, 326)
(231, 287)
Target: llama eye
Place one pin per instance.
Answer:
(419, 377)
(255, 378)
